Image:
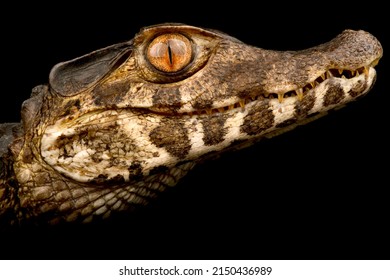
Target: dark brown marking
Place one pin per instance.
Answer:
(135, 171)
(28, 156)
(172, 136)
(203, 104)
(117, 179)
(70, 107)
(214, 130)
(103, 179)
(72, 103)
(168, 98)
(303, 107)
(158, 170)
(358, 88)
(259, 118)
(77, 104)
(110, 94)
(96, 157)
(98, 139)
(334, 94)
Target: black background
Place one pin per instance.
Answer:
(318, 192)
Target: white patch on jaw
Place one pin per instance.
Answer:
(48, 151)
(81, 164)
(195, 135)
(282, 111)
(319, 93)
(233, 125)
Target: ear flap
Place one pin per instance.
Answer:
(71, 77)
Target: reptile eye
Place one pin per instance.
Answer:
(170, 52)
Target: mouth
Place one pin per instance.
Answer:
(347, 75)
(120, 145)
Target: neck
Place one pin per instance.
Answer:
(8, 183)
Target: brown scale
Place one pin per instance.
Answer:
(161, 69)
(337, 73)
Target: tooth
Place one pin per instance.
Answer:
(312, 84)
(366, 71)
(323, 76)
(253, 98)
(231, 106)
(375, 62)
(208, 111)
(357, 73)
(299, 93)
(328, 74)
(280, 97)
(266, 94)
(242, 103)
(352, 73)
(343, 77)
(340, 71)
(221, 110)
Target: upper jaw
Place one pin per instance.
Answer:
(349, 76)
(250, 74)
(237, 74)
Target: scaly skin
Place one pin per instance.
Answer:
(114, 128)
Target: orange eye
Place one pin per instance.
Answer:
(170, 52)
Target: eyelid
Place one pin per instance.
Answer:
(71, 77)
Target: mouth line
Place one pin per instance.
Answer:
(298, 93)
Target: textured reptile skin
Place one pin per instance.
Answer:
(116, 127)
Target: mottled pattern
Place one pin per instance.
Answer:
(110, 94)
(172, 136)
(213, 129)
(334, 94)
(258, 119)
(167, 97)
(357, 89)
(110, 131)
(302, 108)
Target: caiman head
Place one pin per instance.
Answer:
(117, 126)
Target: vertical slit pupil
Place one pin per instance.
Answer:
(170, 53)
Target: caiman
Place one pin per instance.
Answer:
(114, 128)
